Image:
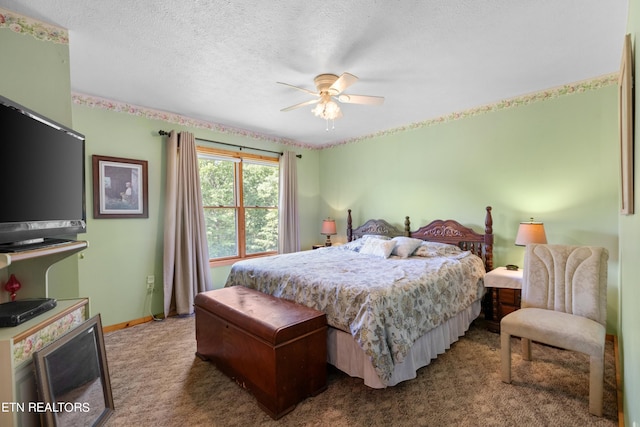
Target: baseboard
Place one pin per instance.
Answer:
(128, 324)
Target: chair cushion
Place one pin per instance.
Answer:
(556, 328)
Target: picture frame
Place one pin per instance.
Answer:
(120, 188)
(72, 378)
(625, 98)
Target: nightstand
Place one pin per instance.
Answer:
(317, 246)
(503, 295)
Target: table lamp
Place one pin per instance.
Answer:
(530, 232)
(328, 229)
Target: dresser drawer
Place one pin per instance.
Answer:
(509, 296)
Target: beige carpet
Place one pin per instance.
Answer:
(158, 381)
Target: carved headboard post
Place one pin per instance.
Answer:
(407, 226)
(349, 226)
(488, 239)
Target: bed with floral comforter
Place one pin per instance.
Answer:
(385, 297)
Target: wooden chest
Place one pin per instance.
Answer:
(277, 349)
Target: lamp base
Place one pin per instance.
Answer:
(328, 241)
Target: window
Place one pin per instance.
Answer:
(240, 199)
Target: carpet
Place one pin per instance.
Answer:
(158, 381)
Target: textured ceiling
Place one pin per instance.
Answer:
(219, 61)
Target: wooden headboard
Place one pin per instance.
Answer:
(444, 231)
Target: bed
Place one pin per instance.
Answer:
(395, 299)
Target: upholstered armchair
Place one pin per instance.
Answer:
(564, 304)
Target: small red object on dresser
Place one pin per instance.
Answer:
(12, 286)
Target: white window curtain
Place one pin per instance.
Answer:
(288, 225)
(186, 254)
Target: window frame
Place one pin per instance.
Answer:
(238, 158)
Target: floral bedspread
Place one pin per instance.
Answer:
(386, 304)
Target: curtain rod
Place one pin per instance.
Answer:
(163, 133)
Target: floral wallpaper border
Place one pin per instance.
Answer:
(569, 89)
(38, 29)
(23, 350)
(149, 113)
(46, 32)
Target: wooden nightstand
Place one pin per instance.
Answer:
(503, 295)
(317, 246)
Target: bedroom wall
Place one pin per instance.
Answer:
(629, 334)
(34, 71)
(36, 74)
(553, 159)
(123, 252)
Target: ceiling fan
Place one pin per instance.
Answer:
(329, 87)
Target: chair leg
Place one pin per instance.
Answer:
(526, 348)
(596, 382)
(505, 356)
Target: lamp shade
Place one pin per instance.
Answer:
(328, 227)
(530, 232)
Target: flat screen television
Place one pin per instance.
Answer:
(42, 171)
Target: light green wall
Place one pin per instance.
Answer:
(629, 333)
(555, 160)
(123, 252)
(36, 75)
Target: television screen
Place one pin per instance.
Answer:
(42, 169)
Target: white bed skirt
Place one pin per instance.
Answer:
(345, 354)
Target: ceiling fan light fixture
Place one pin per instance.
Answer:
(327, 110)
(330, 87)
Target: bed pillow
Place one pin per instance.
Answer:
(375, 236)
(405, 246)
(433, 249)
(378, 247)
(357, 244)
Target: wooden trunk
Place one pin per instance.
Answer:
(275, 348)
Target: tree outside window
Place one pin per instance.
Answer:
(240, 199)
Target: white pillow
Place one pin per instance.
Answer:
(357, 244)
(433, 249)
(405, 246)
(378, 247)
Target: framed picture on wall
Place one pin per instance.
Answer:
(625, 87)
(120, 188)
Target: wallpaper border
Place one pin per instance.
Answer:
(569, 89)
(40, 30)
(47, 32)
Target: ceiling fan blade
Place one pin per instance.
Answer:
(302, 104)
(361, 99)
(343, 82)
(299, 88)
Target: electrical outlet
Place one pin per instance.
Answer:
(150, 283)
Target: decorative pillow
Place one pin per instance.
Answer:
(405, 246)
(357, 244)
(352, 246)
(378, 247)
(434, 249)
(375, 236)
